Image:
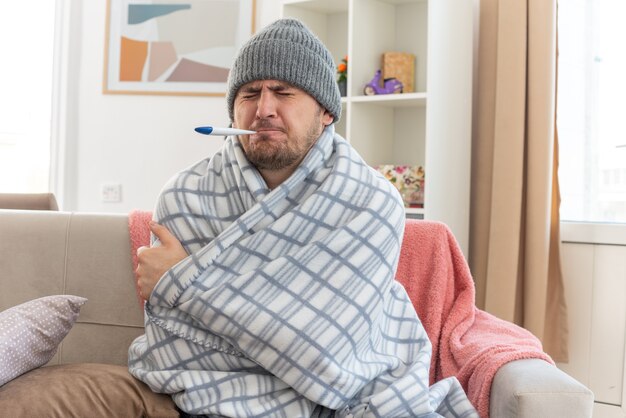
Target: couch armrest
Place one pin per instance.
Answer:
(28, 201)
(534, 388)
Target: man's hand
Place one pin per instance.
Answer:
(154, 262)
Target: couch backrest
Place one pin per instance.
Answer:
(29, 201)
(48, 253)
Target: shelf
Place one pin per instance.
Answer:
(414, 213)
(393, 100)
(398, 2)
(328, 19)
(430, 126)
(320, 6)
(335, 6)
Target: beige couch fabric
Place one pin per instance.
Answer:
(81, 391)
(79, 254)
(46, 253)
(28, 201)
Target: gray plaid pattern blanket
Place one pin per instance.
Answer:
(287, 305)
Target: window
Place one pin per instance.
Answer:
(591, 110)
(26, 42)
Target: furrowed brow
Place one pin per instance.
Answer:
(281, 86)
(250, 89)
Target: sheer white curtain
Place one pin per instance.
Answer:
(26, 76)
(590, 115)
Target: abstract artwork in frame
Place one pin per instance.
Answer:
(174, 47)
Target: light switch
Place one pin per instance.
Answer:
(111, 192)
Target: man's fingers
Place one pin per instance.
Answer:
(157, 260)
(162, 233)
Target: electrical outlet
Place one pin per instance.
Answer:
(111, 192)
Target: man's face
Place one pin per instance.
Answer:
(286, 119)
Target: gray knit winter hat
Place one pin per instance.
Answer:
(287, 50)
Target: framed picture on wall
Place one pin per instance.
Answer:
(173, 47)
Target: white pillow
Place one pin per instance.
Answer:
(31, 332)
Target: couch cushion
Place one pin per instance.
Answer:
(50, 253)
(83, 390)
(99, 267)
(32, 255)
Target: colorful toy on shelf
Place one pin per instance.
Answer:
(390, 85)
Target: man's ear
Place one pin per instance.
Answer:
(327, 118)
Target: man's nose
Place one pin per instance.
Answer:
(266, 106)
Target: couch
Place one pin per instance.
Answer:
(30, 201)
(89, 255)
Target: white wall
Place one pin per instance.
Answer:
(594, 270)
(138, 141)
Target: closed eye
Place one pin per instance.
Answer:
(282, 89)
(249, 94)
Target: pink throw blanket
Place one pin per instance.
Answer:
(467, 342)
(139, 232)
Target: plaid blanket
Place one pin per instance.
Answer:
(287, 305)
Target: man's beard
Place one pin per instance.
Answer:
(268, 156)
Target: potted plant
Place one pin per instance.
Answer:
(342, 76)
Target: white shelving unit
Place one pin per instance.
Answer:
(430, 127)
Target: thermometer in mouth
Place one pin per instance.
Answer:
(213, 130)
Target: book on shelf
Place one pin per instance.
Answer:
(400, 65)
